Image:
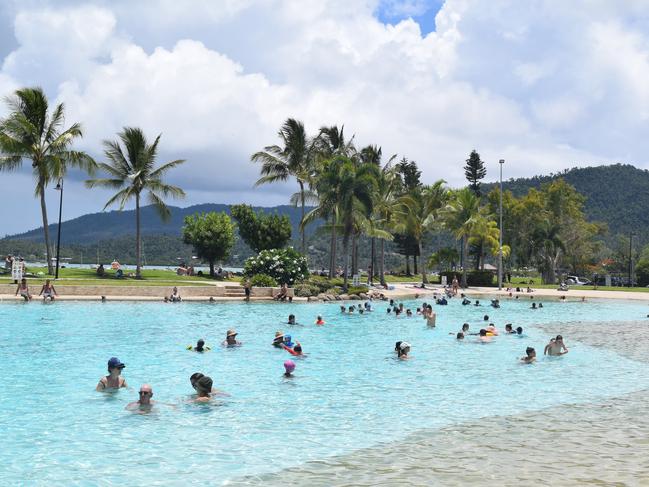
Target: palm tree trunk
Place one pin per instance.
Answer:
(138, 271)
(46, 229)
(414, 264)
(407, 265)
(354, 255)
(332, 252)
(211, 268)
(382, 263)
(465, 249)
(302, 198)
(370, 274)
(346, 261)
(424, 278)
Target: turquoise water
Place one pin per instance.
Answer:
(350, 392)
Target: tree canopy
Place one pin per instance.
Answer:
(261, 231)
(211, 234)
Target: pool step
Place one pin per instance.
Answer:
(235, 292)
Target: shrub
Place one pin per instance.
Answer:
(357, 289)
(304, 289)
(284, 265)
(262, 280)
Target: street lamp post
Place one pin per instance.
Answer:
(59, 187)
(500, 247)
(631, 235)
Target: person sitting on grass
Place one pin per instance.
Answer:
(48, 291)
(101, 272)
(114, 379)
(23, 289)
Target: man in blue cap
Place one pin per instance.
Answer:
(114, 379)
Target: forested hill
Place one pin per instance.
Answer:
(91, 228)
(616, 194)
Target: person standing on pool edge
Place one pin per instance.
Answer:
(114, 379)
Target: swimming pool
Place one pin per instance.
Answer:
(349, 393)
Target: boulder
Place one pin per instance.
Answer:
(344, 296)
(362, 296)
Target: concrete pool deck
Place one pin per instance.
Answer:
(234, 292)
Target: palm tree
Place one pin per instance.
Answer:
(132, 171)
(30, 132)
(345, 190)
(420, 213)
(548, 246)
(463, 217)
(294, 159)
(385, 206)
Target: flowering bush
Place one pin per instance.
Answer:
(262, 280)
(284, 265)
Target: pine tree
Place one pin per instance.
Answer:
(474, 172)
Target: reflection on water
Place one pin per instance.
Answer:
(603, 443)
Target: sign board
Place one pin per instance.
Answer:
(444, 280)
(607, 279)
(16, 270)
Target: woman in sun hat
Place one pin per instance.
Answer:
(231, 339)
(278, 341)
(114, 379)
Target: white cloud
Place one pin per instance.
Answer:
(545, 85)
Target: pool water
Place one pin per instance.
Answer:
(350, 392)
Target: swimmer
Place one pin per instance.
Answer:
(460, 335)
(114, 379)
(555, 347)
(519, 330)
(291, 319)
(360, 311)
(289, 367)
(175, 296)
(368, 306)
(483, 338)
(200, 347)
(509, 329)
(194, 379)
(495, 303)
(231, 339)
(319, 321)
(343, 309)
(397, 346)
(103, 299)
(540, 305)
(295, 351)
(203, 388)
(465, 301)
(530, 356)
(533, 306)
(352, 308)
(278, 341)
(485, 318)
(145, 403)
(403, 351)
(477, 303)
(492, 329)
(408, 312)
(389, 310)
(431, 317)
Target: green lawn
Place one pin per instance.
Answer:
(537, 284)
(74, 276)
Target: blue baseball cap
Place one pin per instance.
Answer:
(114, 363)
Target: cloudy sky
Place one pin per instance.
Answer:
(544, 84)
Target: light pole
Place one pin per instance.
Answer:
(59, 187)
(500, 247)
(631, 235)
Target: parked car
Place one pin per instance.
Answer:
(577, 281)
